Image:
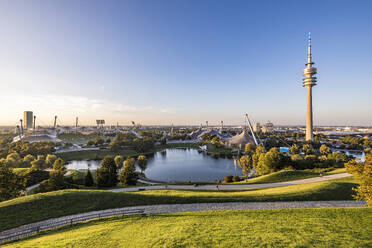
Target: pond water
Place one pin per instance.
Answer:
(181, 165)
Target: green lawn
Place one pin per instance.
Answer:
(282, 176)
(337, 227)
(32, 208)
(79, 138)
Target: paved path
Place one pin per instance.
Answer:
(238, 186)
(174, 208)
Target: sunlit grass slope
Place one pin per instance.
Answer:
(349, 227)
(43, 206)
(282, 176)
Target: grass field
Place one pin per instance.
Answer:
(348, 227)
(282, 176)
(79, 138)
(43, 206)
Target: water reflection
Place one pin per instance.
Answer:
(181, 165)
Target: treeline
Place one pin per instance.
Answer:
(125, 140)
(305, 158)
(25, 148)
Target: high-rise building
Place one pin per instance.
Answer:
(28, 119)
(309, 81)
(257, 127)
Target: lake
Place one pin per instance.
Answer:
(178, 165)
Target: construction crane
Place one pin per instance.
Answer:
(250, 127)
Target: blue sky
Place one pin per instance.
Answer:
(184, 62)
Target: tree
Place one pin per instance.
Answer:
(270, 162)
(11, 184)
(107, 173)
(307, 149)
(363, 172)
(99, 141)
(88, 180)
(119, 161)
(13, 160)
(50, 159)
(324, 149)
(90, 143)
(294, 149)
(128, 175)
(27, 160)
(256, 156)
(59, 165)
(56, 175)
(38, 163)
(249, 149)
(245, 162)
(142, 162)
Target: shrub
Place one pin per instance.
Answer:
(236, 179)
(228, 179)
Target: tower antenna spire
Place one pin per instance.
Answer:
(309, 62)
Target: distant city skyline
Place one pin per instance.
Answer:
(184, 62)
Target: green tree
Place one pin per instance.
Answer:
(270, 162)
(142, 162)
(128, 175)
(27, 160)
(119, 161)
(249, 149)
(294, 149)
(307, 149)
(59, 165)
(245, 162)
(88, 180)
(11, 184)
(90, 143)
(363, 172)
(324, 149)
(13, 160)
(107, 173)
(256, 156)
(38, 163)
(50, 159)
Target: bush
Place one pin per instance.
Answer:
(236, 179)
(228, 179)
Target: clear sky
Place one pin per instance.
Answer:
(183, 61)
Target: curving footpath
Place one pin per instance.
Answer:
(178, 208)
(237, 186)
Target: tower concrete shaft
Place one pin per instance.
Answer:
(309, 81)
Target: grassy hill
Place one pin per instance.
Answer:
(282, 176)
(245, 228)
(43, 206)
